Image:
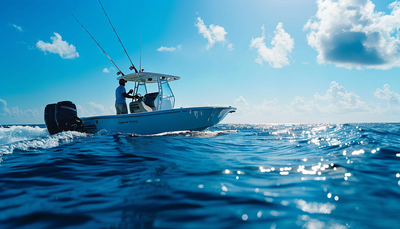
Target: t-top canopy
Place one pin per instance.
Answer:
(148, 77)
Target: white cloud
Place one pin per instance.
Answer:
(213, 34)
(16, 112)
(58, 46)
(94, 109)
(4, 111)
(339, 100)
(282, 46)
(170, 49)
(393, 99)
(336, 101)
(350, 33)
(241, 101)
(19, 28)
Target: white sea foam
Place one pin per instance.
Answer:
(21, 133)
(199, 134)
(25, 138)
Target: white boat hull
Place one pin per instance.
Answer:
(145, 123)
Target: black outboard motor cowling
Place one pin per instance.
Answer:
(50, 118)
(65, 117)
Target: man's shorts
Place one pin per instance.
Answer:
(121, 108)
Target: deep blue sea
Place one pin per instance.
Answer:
(229, 176)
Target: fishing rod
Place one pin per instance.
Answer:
(133, 66)
(140, 49)
(119, 70)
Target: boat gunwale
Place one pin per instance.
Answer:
(175, 110)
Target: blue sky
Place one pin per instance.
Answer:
(290, 61)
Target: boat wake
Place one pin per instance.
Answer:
(28, 138)
(198, 134)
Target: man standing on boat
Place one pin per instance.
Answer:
(120, 97)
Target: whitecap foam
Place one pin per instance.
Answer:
(199, 134)
(27, 138)
(21, 133)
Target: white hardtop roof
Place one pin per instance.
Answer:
(148, 77)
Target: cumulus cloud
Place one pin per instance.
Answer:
(19, 28)
(16, 112)
(392, 98)
(351, 34)
(94, 109)
(169, 49)
(213, 34)
(277, 55)
(58, 46)
(241, 101)
(4, 111)
(337, 100)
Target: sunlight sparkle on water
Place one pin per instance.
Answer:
(266, 170)
(314, 207)
(358, 152)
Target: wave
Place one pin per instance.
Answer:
(198, 134)
(28, 138)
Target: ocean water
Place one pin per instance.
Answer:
(229, 176)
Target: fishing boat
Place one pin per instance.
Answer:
(154, 112)
(151, 113)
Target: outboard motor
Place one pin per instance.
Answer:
(50, 118)
(64, 114)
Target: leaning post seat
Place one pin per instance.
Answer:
(150, 98)
(139, 106)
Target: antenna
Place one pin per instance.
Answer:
(133, 66)
(140, 49)
(119, 70)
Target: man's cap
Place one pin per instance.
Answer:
(122, 80)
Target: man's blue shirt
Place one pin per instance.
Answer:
(119, 98)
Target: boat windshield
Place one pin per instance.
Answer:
(167, 97)
(140, 88)
(163, 100)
